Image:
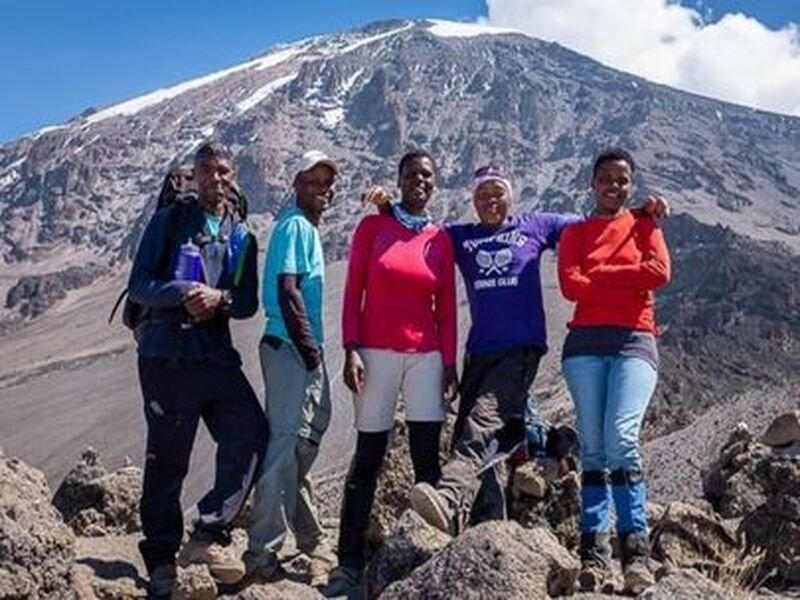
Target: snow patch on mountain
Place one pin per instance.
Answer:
(348, 83)
(80, 148)
(331, 117)
(15, 164)
(374, 38)
(9, 174)
(455, 29)
(135, 105)
(9, 179)
(44, 130)
(263, 92)
(331, 108)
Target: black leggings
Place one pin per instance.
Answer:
(362, 479)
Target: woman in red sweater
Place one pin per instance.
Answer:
(610, 265)
(399, 334)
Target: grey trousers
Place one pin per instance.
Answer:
(494, 392)
(298, 407)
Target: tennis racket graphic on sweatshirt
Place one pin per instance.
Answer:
(494, 262)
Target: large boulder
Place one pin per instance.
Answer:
(761, 485)
(774, 527)
(37, 549)
(498, 559)
(783, 431)
(686, 536)
(411, 544)
(730, 482)
(95, 502)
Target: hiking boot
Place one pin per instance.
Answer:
(595, 553)
(432, 507)
(348, 582)
(162, 581)
(222, 563)
(635, 554)
(322, 561)
(637, 576)
(263, 564)
(595, 577)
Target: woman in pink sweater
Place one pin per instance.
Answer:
(399, 333)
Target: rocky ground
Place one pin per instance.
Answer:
(741, 540)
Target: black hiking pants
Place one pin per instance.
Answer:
(176, 397)
(490, 422)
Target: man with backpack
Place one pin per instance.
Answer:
(195, 269)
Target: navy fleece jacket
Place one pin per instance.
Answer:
(164, 335)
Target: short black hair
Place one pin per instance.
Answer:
(413, 155)
(613, 155)
(212, 150)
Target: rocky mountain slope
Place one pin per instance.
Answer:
(78, 193)
(730, 320)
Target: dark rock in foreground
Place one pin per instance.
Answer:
(37, 549)
(410, 545)
(774, 527)
(95, 502)
(686, 536)
(498, 559)
(761, 485)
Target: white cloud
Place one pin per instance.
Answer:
(737, 58)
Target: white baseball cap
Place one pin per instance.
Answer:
(311, 159)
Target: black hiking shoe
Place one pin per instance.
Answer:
(595, 573)
(347, 582)
(162, 581)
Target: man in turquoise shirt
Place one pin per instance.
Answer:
(295, 249)
(297, 393)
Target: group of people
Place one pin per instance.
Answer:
(399, 322)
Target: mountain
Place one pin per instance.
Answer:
(74, 200)
(80, 192)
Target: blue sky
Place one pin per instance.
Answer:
(60, 57)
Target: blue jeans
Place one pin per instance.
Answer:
(611, 394)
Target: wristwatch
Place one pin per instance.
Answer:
(227, 300)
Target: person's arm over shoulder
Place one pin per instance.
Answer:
(446, 311)
(355, 285)
(242, 299)
(146, 285)
(575, 284)
(554, 224)
(652, 272)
